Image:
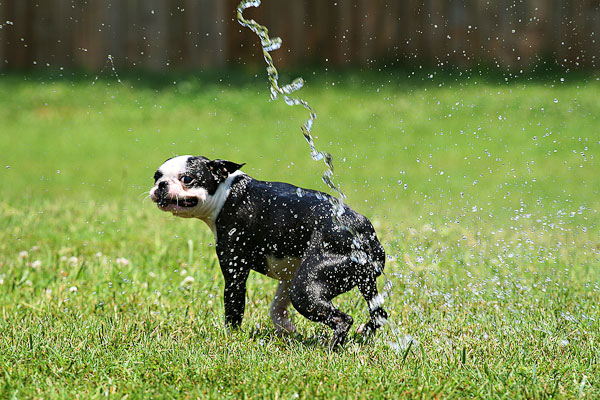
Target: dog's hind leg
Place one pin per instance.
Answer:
(314, 286)
(378, 317)
(311, 302)
(278, 311)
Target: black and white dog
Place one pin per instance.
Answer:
(279, 230)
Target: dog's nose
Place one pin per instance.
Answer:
(162, 186)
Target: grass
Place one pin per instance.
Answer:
(484, 193)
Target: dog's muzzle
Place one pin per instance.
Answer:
(163, 200)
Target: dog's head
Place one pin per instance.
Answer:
(187, 186)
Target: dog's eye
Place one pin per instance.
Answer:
(186, 179)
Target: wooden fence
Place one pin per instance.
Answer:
(194, 34)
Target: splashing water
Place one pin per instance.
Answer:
(109, 60)
(268, 44)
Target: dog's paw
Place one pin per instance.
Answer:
(365, 330)
(285, 328)
(361, 329)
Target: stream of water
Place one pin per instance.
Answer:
(396, 340)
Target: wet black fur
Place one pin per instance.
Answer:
(261, 219)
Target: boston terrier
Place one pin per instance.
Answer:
(290, 234)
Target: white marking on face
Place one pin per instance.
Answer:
(175, 166)
(171, 172)
(208, 207)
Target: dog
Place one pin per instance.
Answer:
(288, 233)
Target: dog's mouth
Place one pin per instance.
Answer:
(181, 202)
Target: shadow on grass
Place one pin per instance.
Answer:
(318, 341)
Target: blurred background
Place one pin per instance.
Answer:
(191, 34)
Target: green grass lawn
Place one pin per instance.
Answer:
(485, 195)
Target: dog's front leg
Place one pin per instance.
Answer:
(235, 270)
(235, 299)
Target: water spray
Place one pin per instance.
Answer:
(360, 256)
(269, 44)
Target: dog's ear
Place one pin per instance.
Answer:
(222, 168)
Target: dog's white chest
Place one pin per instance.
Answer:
(282, 269)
